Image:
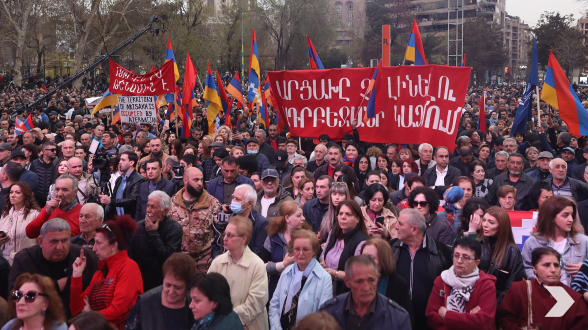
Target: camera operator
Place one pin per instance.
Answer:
(108, 147)
(197, 212)
(168, 165)
(126, 188)
(155, 181)
(87, 187)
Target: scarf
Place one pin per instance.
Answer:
(462, 286)
(295, 283)
(204, 323)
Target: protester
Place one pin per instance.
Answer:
(500, 256)
(338, 193)
(364, 307)
(390, 284)
(379, 220)
(125, 193)
(155, 181)
(558, 228)
(305, 278)
(540, 192)
(115, 288)
(306, 191)
(426, 202)
(20, 210)
(515, 312)
(54, 257)
(268, 202)
(166, 306)
(41, 307)
(90, 321)
(246, 272)
(471, 217)
(314, 210)
(441, 175)
(343, 241)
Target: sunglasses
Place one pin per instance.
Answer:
(52, 150)
(421, 204)
(29, 296)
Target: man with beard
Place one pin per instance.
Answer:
(197, 212)
(514, 177)
(43, 166)
(156, 151)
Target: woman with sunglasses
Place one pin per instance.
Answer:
(36, 304)
(115, 288)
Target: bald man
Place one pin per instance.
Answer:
(91, 218)
(87, 186)
(197, 212)
(563, 185)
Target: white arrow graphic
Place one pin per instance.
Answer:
(564, 301)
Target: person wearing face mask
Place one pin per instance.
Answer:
(253, 149)
(166, 307)
(244, 198)
(197, 213)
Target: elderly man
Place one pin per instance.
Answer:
(91, 218)
(43, 166)
(320, 152)
(64, 205)
(514, 177)
(265, 148)
(244, 198)
(563, 185)
(245, 272)
(542, 171)
(253, 146)
(419, 260)
(87, 187)
(156, 182)
(86, 141)
(68, 148)
(273, 195)
(54, 257)
(197, 212)
(500, 161)
(364, 307)
(156, 238)
(5, 153)
(425, 161)
(109, 142)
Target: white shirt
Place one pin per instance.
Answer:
(69, 113)
(265, 204)
(561, 248)
(440, 176)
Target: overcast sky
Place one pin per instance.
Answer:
(531, 10)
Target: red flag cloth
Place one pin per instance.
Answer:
(415, 104)
(124, 82)
(187, 91)
(482, 115)
(152, 68)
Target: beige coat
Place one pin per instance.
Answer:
(390, 221)
(14, 225)
(249, 287)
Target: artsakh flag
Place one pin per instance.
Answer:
(236, 90)
(28, 123)
(523, 224)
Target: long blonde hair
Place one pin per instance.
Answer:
(329, 218)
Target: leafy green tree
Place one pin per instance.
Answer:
(484, 47)
(333, 58)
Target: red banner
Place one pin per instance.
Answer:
(159, 82)
(415, 104)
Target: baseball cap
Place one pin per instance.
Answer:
(18, 153)
(254, 140)
(585, 150)
(5, 146)
(270, 173)
(281, 158)
(570, 149)
(546, 154)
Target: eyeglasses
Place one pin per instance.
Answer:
(464, 258)
(29, 296)
(52, 150)
(304, 250)
(229, 235)
(421, 204)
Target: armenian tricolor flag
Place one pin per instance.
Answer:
(214, 104)
(236, 90)
(415, 51)
(313, 58)
(44, 89)
(371, 107)
(169, 56)
(558, 92)
(116, 117)
(223, 97)
(254, 88)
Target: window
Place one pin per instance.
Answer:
(350, 7)
(350, 16)
(339, 16)
(349, 23)
(338, 8)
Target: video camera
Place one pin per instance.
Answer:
(103, 161)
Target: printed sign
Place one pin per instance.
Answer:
(137, 109)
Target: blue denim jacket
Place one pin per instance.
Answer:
(576, 251)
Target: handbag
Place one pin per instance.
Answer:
(530, 325)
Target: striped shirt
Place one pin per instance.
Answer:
(565, 190)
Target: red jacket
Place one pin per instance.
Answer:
(72, 217)
(113, 295)
(483, 295)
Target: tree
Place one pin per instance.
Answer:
(435, 48)
(571, 51)
(483, 44)
(17, 12)
(551, 28)
(333, 58)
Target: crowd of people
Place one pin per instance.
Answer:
(117, 226)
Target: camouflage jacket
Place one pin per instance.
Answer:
(197, 225)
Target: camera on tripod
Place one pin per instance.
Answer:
(103, 161)
(178, 171)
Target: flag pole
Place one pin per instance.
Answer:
(538, 107)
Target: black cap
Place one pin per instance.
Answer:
(324, 137)
(252, 140)
(52, 113)
(17, 153)
(281, 158)
(347, 137)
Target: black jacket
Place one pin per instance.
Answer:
(397, 196)
(523, 186)
(397, 290)
(579, 189)
(130, 195)
(324, 170)
(164, 185)
(150, 249)
(578, 172)
(258, 236)
(431, 176)
(31, 260)
(4, 272)
(148, 312)
(269, 152)
(313, 214)
(511, 269)
(461, 166)
(46, 173)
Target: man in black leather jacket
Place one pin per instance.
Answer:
(125, 194)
